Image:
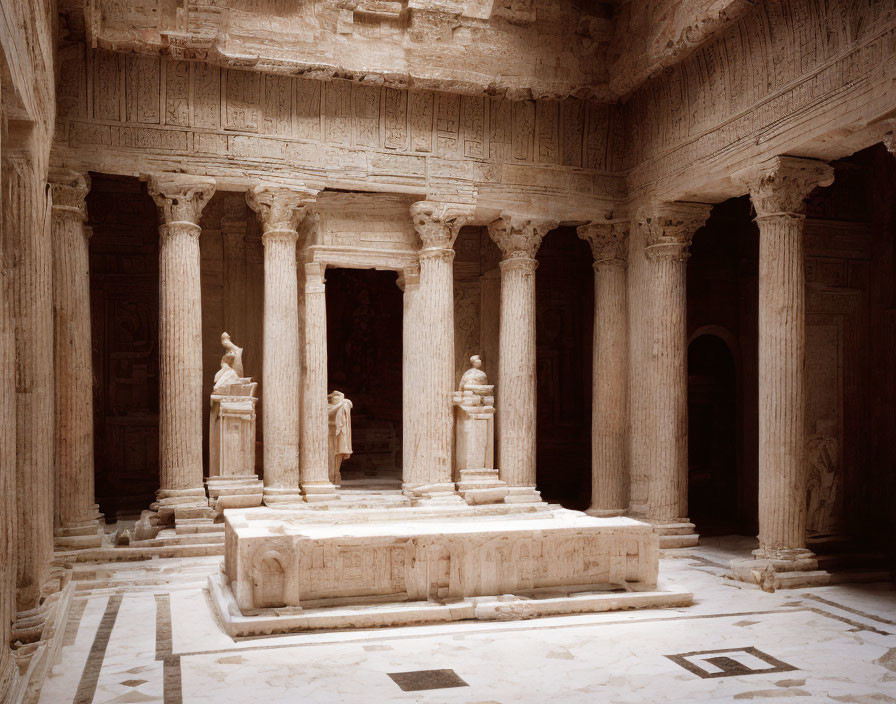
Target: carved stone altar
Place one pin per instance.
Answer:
(285, 571)
(474, 437)
(232, 482)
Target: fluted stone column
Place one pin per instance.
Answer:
(316, 485)
(180, 199)
(670, 229)
(438, 225)
(518, 239)
(280, 210)
(778, 188)
(77, 515)
(609, 478)
(413, 474)
(26, 224)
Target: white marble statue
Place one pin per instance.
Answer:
(339, 413)
(232, 482)
(474, 438)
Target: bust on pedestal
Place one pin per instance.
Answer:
(474, 428)
(339, 414)
(232, 482)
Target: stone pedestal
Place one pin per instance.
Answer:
(519, 239)
(778, 188)
(478, 481)
(670, 228)
(180, 199)
(78, 520)
(609, 477)
(438, 225)
(316, 483)
(280, 210)
(232, 482)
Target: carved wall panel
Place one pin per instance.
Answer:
(224, 118)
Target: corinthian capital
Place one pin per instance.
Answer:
(180, 197)
(671, 226)
(519, 237)
(279, 207)
(608, 240)
(69, 189)
(781, 184)
(438, 223)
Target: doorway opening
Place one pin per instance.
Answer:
(124, 311)
(713, 461)
(364, 355)
(564, 312)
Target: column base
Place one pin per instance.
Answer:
(282, 497)
(481, 486)
(318, 492)
(180, 498)
(80, 534)
(237, 491)
(437, 494)
(605, 512)
(37, 635)
(780, 569)
(523, 495)
(675, 533)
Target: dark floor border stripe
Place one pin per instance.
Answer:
(74, 622)
(172, 685)
(842, 607)
(91, 674)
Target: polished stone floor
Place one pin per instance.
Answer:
(145, 633)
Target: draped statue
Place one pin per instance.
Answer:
(339, 413)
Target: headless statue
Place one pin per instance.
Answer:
(339, 413)
(231, 371)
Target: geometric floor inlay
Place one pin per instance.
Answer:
(729, 662)
(419, 680)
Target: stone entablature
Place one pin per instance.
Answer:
(148, 113)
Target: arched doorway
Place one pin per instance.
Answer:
(713, 459)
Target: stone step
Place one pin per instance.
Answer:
(128, 553)
(809, 578)
(676, 540)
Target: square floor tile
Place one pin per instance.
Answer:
(729, 662)
(418, 680)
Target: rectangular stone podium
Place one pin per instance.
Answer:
(284, 575)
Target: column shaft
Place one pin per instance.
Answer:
(782, 401)
(609, 485)
(517, 403)
(280, 395)
(669, 462)
(315, 428)
(76, 513)
(436, 295)
(26, 221)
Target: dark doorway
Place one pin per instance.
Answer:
(124, 301)
(364, 353)
(713, 463)
(564, 308)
